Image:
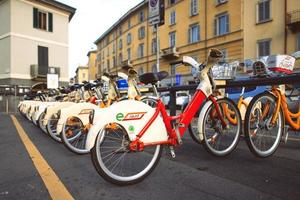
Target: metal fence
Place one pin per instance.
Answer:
(10, 96)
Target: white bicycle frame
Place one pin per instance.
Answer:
(134, 115)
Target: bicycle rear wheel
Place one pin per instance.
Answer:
(263, 137)
(218, 140)
(74, 135)
(51, 128)
(115, 162)
(40, 122)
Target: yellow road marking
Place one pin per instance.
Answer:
(55, 187)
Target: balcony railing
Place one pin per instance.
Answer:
(170, 53)
(293, 20)
(40, 72)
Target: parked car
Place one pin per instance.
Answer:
(181, 98)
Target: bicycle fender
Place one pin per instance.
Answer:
(80, 110)
(201, 119)
(54, 109)
(132, 116)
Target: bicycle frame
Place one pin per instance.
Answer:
(281, 102)
(183, 119)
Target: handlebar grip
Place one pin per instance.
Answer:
(177, 62)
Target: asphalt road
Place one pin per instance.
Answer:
(193, 174)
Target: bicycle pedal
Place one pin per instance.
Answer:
(172, 152)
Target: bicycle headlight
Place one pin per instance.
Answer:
(91, 116)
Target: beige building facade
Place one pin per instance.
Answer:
(82, 74)
(33, 40)
(242, 29)
(92, 55)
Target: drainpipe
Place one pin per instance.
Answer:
(285, 27)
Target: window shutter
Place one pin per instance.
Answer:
(227, 23)
(190, 35)
(198, 36)
(215, 26)
(50, 22)
(35, 17)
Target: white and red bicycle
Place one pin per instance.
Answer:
(126, 145)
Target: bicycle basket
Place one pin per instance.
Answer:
(281, 63)
(225, 70)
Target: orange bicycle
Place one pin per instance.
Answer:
(265, 121)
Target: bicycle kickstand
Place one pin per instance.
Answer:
(172, 151)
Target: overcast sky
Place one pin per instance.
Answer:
(92, 18)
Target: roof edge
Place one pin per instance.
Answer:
(121, 19)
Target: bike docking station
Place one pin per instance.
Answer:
(291, 79)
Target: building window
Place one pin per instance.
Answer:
(153, 46)
(141, 51)
(129, 38)
(173, 17)
(83, 75)
(129, 54)
(194, 33)
(154, 68)
(172, 2)
(107, 51)
(114, 62)
(141, 32)
(42, 20)
(194, 7)
(43, 60)
(218, 2)
(264, 47)
(140, 70)
(114, 48)
(107, 40)
(120, 44)
(141, 16)
(120, 58)
(222, 24)
(108, 65)
(129, 24)
(263, 10)
(172, 39)
(298, 43)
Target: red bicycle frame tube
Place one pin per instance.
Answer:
(184, 118)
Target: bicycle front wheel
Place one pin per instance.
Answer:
(261, 134)
(219, 140)
(115, 162)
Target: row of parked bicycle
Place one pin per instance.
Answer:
(125, 134)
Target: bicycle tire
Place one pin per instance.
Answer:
(51, 128)
(131, 164)
(76, 142)
(217, 140)
(249, 137)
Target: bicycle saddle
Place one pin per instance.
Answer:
(98, 83)
(153, 78)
